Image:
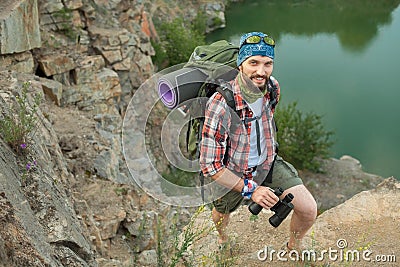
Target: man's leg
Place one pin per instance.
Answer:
(221, 221)
(220, 213)
(284, 175)
(304, 214)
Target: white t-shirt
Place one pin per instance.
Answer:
(254, 158)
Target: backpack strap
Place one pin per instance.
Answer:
(273, 93)
(225, 89)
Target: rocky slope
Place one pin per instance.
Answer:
(85, 59)
(78, 205)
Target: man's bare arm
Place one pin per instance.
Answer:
(262, 195)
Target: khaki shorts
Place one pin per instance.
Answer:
(284, 175)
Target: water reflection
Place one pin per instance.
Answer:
(355, 23)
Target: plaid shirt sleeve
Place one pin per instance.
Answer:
(214, 136)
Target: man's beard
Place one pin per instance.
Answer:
(261, 88)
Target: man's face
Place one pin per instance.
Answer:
(258, 69)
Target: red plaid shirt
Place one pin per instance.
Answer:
(216, 145)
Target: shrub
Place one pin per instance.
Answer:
(177, 41)
(302, 138)
(17, 126)
(180, 177)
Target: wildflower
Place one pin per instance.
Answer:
(28, 166)
(23, 145)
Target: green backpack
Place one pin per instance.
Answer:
(218, 62)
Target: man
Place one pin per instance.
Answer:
(241, 161)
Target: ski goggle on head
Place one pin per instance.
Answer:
(255, 39)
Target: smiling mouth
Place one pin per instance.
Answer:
(258, 76)
(258, 79)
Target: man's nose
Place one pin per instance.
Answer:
(261, 70)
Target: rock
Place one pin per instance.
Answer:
(93, 93)
(19, 62)
(215, 14)
(52, 89)
(73, 4)
(140, 225)
(110, 212)
(106, 165)
(327, 187)
(48, 7)
(56, 63)
(14, 238)
(148, 258)
(87, 67)
(148, 26)
(20, 17)
(38, 198)
(383, 201)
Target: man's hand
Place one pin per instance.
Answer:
(265, 197)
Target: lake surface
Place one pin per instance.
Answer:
(339, 59)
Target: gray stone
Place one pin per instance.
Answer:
(141, 224)
(40, 204)
(19, 62)
(73, 4)
(87, 69)
(19, 27)
(148, 258)
(48, 7)
(56, 63)
(52, 89)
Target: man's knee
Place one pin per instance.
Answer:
(304, 203)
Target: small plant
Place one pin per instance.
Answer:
(121, 191)
(64, 25)
(30, 166)
(178, 248)
(302, 138)
(64, 14)
(253, 218)
(20, 123)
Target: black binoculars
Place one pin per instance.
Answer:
(282, 208)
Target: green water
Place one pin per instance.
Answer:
(339, 59)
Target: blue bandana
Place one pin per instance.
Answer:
(248, 50)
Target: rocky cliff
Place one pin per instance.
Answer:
(77, 206)
(69, 200)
